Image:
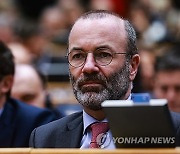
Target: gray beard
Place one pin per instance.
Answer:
(113, 88)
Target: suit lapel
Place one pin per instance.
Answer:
(71, 138)
(76, 134)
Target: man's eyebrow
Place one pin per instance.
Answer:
(98, 47)
(104, 47)
(76, 48)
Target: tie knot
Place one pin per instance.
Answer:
(97, 129)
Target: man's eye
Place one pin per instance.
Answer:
(28, 97)
(78, 56)
(164, 89)
(177, 88)
(104, 55)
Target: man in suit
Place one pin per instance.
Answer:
(17, 120)
(103, 62)
(167, 77)
(27, 76)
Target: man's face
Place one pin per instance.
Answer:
(93, 83)
(27, 87)
(92, 89)
(167, 85)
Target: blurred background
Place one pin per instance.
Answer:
(37, 33)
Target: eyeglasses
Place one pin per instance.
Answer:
(102, 56)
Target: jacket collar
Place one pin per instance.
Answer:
(72, 136)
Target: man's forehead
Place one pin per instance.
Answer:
(104, 20)
(107, 24)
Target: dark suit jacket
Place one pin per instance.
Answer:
(67, 132)
(17, 122)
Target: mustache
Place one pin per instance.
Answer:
(92, 77)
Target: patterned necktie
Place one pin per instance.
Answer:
(98, 129)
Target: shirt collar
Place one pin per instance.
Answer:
(129, 98)
(88, 120)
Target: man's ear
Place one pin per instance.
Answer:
(134, 64)
(6, 83)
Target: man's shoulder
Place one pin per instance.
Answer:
(176, 119)
(25, 108)
(24, 112)
(61, 124)
(59, 133)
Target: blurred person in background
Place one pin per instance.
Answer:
(149, 21)
(6, 32)
(54, 23)
(30, 86)
(20, 53)
(31, 37)
(55, 28)
(30, 47)
(17, 119)
(121, 7)
(167, 77)
(144, 79)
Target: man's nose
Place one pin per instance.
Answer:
(90, 65)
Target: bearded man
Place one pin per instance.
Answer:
(103, 62)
